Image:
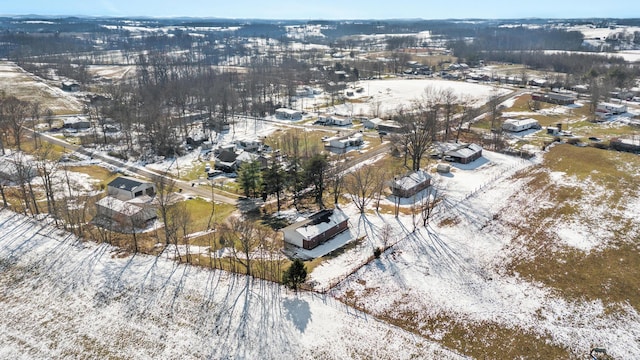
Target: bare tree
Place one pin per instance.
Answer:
(165, 188)
(449, 102)
(13, 115)
(242, 233)
(362, 185)
(428, 204)
(47, 169)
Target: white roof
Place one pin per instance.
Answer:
(518, 122)
(412, 180)
(119, 206)
(311, 230)
(287, 111)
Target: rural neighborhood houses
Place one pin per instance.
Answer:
(316, 229)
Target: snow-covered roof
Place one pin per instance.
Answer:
(520, 122)
(464, 151)
(318, 223)
(287, 111)
(119, 206)
(411, 180)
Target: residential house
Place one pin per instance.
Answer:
(462, 153)
(126, 188)
(288, 114)
(76, 122)
(554, 98)
(316, 229)
(343, 142)
(127, 214)
(517, 125)
(629, 144)
(372, 123)
(410, 184)
(610, 108)
(334, 119)
(226, 161)
(389, 127)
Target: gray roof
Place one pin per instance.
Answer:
(125, 183)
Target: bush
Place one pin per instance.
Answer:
(377, 252)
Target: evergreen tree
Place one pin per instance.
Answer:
(274, 181)
(314, 171)
(249, 177)
(295, 275)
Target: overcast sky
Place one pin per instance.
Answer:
(328, 9)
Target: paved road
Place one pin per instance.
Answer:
(184, 186)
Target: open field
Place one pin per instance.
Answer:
(26, 86)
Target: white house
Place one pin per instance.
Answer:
(316, 229)
(372, 123)
(326, 119)
(288, 114)
(343, 142)
(517, 125)
(611, 108)
(126, 188)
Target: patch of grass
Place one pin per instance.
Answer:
(608, 274)
(481, 340)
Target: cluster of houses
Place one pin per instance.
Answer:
(129, 203)
(229, 158)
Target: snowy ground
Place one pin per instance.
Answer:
(455, 268)
(61, 298)
(391, 95)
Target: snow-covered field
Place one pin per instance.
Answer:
(455, 267)
(63, 298)
(388, 96)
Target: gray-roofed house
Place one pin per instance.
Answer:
(126, 188)
(316, 229)
(464, 154)
(410, 184)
